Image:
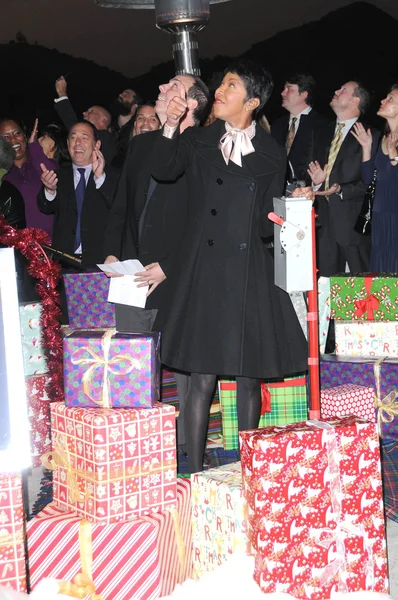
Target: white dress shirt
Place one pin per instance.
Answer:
(306, 111)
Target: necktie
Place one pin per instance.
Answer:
(236, 143)
(290, 135)
(79, 193)
(333, 152)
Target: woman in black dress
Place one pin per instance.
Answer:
(226, 317)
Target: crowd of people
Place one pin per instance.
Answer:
(185, 184)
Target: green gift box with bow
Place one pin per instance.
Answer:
(364, 297)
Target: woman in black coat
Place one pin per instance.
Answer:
(226, 316)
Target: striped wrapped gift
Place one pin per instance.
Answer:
(120, 559)
(12, 546)
(288, 405)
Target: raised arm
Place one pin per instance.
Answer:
(63, 106)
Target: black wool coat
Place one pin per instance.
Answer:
(225, 315)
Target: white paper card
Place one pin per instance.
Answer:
(124, 290)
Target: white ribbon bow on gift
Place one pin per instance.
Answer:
(236, 143)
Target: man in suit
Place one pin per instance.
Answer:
(97, 115)
(148, 217)
(296, 129)
(336, 177)
(80, 195)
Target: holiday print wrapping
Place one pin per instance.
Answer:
(369, 339)
(379, 374)
(39, 417)
(117, 561)
(218, 517)
(323, 311)
(34, 360)
(348, 399)
(109, 369)
(389, 467)
(365, 297)
(174, 540)
(112, 465)
(12, 549)
(87, 301)
(315, 509)
(288, 404)
(300, 308)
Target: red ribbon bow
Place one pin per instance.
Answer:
(367, 305)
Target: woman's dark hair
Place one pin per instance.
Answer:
(21, 125)
(59, 137)
(7, 154)
(257, 80)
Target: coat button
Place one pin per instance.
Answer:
(219, 181)
(242, 246)
(210, 242)
(252, 187)
(213, 212)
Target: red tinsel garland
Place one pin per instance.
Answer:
(48, 272)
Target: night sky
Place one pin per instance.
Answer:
(128, 41)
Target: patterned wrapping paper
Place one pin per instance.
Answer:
(34, 359)
(365, 297)
(348, 399)
(323, 311)
(288, 405)
(12, 549)
(218, 517)
(174, 540)
(39, 417)
(389, 467)
(300, 309)
(337, 371)
(367, 339)
(124, 556)
(114, 464)
(87, 300)
(315, 508)
(109, 369)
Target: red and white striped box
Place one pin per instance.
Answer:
(39, 417)
(125, 563)
(114, 464)
(12, 549)
(174, 540)
(348, 399)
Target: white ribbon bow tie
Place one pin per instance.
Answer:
(234, 144)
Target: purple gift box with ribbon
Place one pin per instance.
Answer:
(335, 371)
(87, 300)
(104, 369)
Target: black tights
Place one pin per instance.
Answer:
(197, 412)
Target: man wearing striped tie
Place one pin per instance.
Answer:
(336, 178)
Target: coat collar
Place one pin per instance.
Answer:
(266, 159)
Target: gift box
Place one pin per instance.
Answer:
(118, 561)
(348, 399)
(323, 311)
(174, 540)
(315, 508)
(288, 404)
(112, 465)
(12, 549)
(382, 379)
(218, 517)
(34, 359)
(364, 297)
(87, 301)
(39, 417)
(109, 369)
(389, 467)
(300, 308)
(368, 339)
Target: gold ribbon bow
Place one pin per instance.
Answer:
(60, 457)
(96, 362)
(83, 584)
(387, 407)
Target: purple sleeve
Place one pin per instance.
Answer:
(367, 169)
(37, 156)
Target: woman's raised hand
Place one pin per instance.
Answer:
(363, 137)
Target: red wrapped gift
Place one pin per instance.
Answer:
(315, 508)
(119, 561)
(39, 417)
(12, 549)
(348, 399)
(113, 465)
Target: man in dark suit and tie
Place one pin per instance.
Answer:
(296, 129)
(148, 217)
(336, 177)
(80, 195)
